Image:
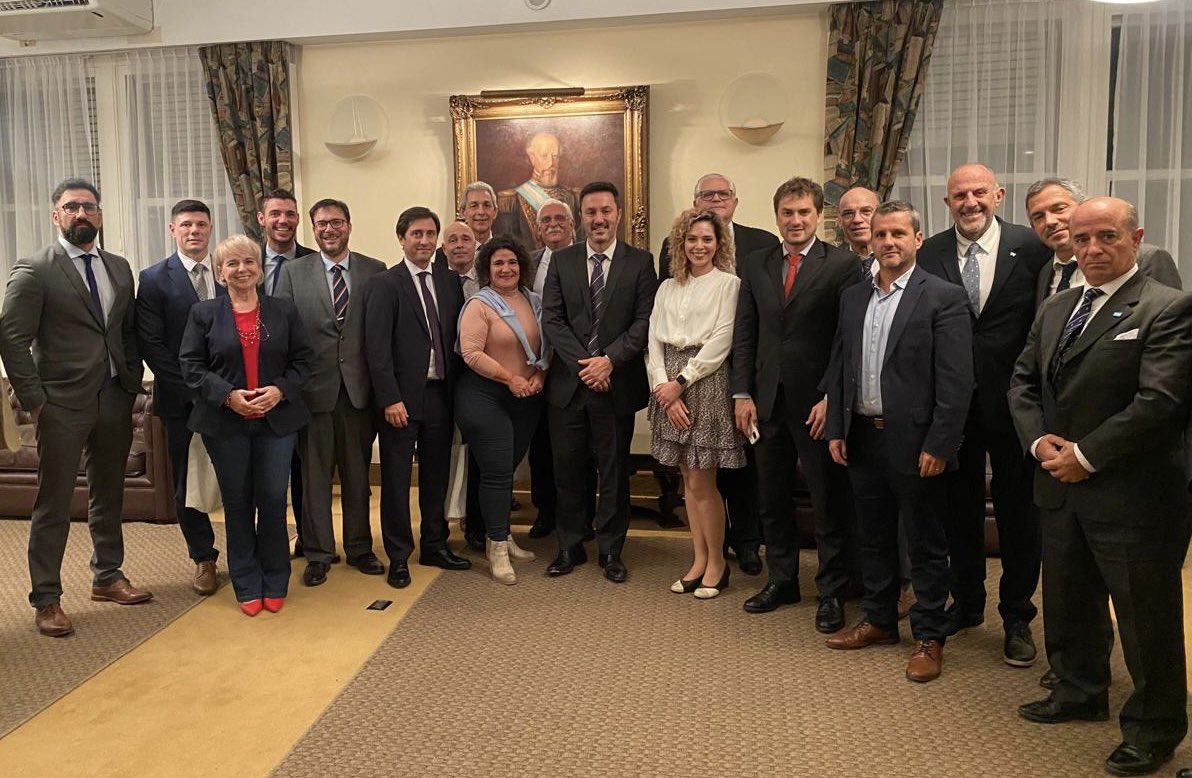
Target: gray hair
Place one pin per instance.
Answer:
(1067, 184)
(553, 201)
(476, 186)
(700, 183)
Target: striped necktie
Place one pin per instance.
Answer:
(339, 293)
(596, 287)
(1072, 330)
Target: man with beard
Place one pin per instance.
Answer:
(518, 208)
(69, 346)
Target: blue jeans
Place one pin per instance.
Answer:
(253, 468)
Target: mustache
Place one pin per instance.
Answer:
(80, 231)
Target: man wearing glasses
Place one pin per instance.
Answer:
(79, 381)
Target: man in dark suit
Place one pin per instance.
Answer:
(596, 314)
(898, 392)
(782, 338)
(1100, 396)
(326, 288)
(743, 534)
(997, 264)
(165, 294)
(411, 314)
(69, 347)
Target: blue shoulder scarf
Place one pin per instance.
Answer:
(492, 299)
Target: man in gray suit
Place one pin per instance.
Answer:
(1100, 396)
(69, 346)
(325, 288)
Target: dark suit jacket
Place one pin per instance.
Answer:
(54, 346)
(787, 342)
(164, 297)
(339, 347)
(624, 327)
(397, 341)
(746, 240)
(1124, 402)
(1000, 331)
(1153, 262)
(927, 375)
(213, 364)
(299, 251)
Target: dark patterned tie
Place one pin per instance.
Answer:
(1072, 330)
(96, 305)
(867, 266)
(198, 277)
(339, 293)
(596, 287)
(1066, 271)
(432, 318)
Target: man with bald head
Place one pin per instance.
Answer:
(459, 249)
(518, 207)
(1100, 396)
(854, 212)
(997, 263)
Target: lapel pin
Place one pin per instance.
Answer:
(1118, 314)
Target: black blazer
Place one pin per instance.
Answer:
(164, 298)
(999, 333)
(396, 337)
(927, 374)
(787, 342)
(624, 327)
(213, 365)
(746, 240)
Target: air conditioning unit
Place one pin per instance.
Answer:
(33, 20)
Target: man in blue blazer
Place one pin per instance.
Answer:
(165, 294)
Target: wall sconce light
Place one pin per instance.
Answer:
(754, 107)
(357, 127)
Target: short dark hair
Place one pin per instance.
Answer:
(899, 206)
(329, 202)
(189, 206)
(601, 186)
(411, 215)
(525, 272)
(276, 194)
(73, 183)
(800, 187)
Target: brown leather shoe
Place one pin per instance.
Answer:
(53, 622)
(120, 591)
(906, 598)
(926, 661)
(206, 579)
(862, 636)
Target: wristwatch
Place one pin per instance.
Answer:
(681, 379)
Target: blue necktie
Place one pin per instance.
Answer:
(96, 305)
(1072, 330)
(1066, 272)
(970, 274)
(596, 287)
(276, 272)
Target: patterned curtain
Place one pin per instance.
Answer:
(249, 88)
(877, 62)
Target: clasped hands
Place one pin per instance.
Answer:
(253, 402)
(596, 373)
(669, 396)
(526, 387)
(1058, 457)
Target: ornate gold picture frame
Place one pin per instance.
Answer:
(535, 147)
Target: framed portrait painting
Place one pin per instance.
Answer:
(530, 149)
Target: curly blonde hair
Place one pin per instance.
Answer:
(725, 251)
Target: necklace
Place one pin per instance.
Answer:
(251, 335)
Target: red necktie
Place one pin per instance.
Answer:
(792, 269)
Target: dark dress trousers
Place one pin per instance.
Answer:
(397, 348)
(999, 333)
(926, 385)
(1152, 262)
(582, 422)
(164, 297)
(781, 349)
(60, 355)
(1121, 395)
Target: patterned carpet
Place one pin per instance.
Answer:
(35, 670)
(581, 677)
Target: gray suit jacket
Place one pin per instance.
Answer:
(1153, 261)
(339, 349)
(54, 346)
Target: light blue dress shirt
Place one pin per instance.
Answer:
(874, 337)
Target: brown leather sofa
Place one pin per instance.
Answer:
(148, 495)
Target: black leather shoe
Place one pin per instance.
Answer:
(314, 574)
(589, 534)
(749, 561)
(1049, 680)
(614, 568)
(1051, 712)
(368, 564)
(399, 575)
(543, 526)
(445, 559)
(1127, 759)
(771, 596)
(960, 619)
(829, 616)
(567, 560)
(1018, 650)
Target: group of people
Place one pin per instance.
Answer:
(890, 371)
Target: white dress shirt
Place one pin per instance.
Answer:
(1056, 265)
(608, 259)
(330, 277)
(987, 246)
(697, 312)
(271, 263)
(540, 273)
(189, 265)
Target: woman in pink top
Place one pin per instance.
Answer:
(498, 400)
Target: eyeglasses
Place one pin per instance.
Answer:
(335, 224)
(73, 208)
(712, 195)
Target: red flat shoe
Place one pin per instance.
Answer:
(273, 604)
(252, 607)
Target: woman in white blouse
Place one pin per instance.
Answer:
(691, 414)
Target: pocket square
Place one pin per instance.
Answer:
(1127, 335)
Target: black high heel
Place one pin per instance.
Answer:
(684, 586)
(703, 592)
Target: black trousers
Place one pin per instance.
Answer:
(195, 525)
(738, 486)
(884, 495)
(543, 492)
(1017, 521)
(431, 434)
